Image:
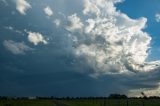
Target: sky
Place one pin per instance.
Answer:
(79, 47)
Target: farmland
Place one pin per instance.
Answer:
(115, 102)
(26, 103)
(81, 102)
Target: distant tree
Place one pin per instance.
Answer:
(154, 97)
(117, 96)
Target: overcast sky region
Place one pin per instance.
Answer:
(79, 47)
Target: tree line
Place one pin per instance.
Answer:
(111, 96)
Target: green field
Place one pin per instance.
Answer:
(27, 103)
(82, 102)
(114, 102)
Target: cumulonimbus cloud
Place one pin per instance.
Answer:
(109, 40)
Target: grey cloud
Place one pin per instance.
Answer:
(16, 47)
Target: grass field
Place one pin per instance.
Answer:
(114, 102)
(86, 102)
(27, 103)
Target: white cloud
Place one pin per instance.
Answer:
(9, 28)
(57, 22)
(22, 6)
(36, 38)
(74, 23)
(90, 25)
(95, 7)
(157, 17)
(48, 11)
(16, 47)
(91, 8)
(12, 29)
